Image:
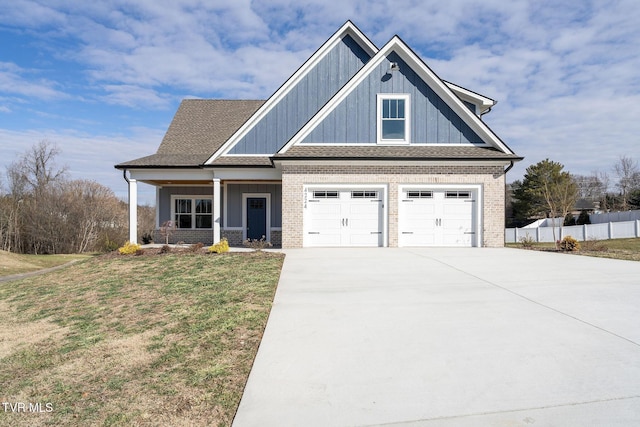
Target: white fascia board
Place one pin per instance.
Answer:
(347, 29)
(171, 174)
(484, 102)
(436, 84)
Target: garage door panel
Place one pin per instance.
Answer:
(354, 218)
(443, 218)
(363, 239)
(460, 210)
(323, 239)
(417, 239)
(369, 209)
(325, 224)
(323, 207)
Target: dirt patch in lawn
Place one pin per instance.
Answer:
(15, 335)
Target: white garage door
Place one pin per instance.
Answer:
(338, 217)
(436, 217)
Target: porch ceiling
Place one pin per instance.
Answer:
(160, 182)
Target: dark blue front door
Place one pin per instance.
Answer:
(256, 217)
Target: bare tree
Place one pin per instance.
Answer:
(90, 209)
(146, 222)
(628, 175)
(44, 212)
(36, 168)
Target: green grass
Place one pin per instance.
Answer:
(11, 263)
(627, 249)
(121, 340)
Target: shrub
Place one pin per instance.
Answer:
(569, 244)
(569, 220)
(129, 248)
(220, 247)
(109, 245)
(147, 238)
(527, 241)
(165, 249)
(257, 244)
(583, 218)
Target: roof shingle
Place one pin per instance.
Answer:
(199, 128)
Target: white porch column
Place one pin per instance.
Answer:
(158, 207)
(216, 210)
(133, 211)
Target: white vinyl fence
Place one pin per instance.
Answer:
(614, 217)
(601, 231)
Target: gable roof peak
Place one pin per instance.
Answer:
(398, 46)
(347, 29)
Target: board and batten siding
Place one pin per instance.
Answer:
(304, 99)
(234, 202)
(354, 119)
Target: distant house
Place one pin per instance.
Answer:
(361, 146)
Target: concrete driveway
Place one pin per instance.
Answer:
(448, 337)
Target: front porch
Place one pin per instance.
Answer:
(190, 210)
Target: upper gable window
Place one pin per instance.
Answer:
(393, 118)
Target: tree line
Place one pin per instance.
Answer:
(548, 191)
(42, 211)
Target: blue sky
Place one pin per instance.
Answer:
(103, 79)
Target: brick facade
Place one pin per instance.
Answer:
(206, 237)
(235, 237)
(295, 177)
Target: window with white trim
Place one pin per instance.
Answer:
(393, 118)
(196, 212)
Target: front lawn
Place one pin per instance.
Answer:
(628, 249)
(135, 340)
(11, 263)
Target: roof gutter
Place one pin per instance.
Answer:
(124, 175)
(509, 168)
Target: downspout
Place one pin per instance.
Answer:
(124, 175)
(506, 170)
(488, 110)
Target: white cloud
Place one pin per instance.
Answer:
(16, 81)
(135, 96)
(564, 73)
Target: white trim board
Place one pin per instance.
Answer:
(347, 29)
